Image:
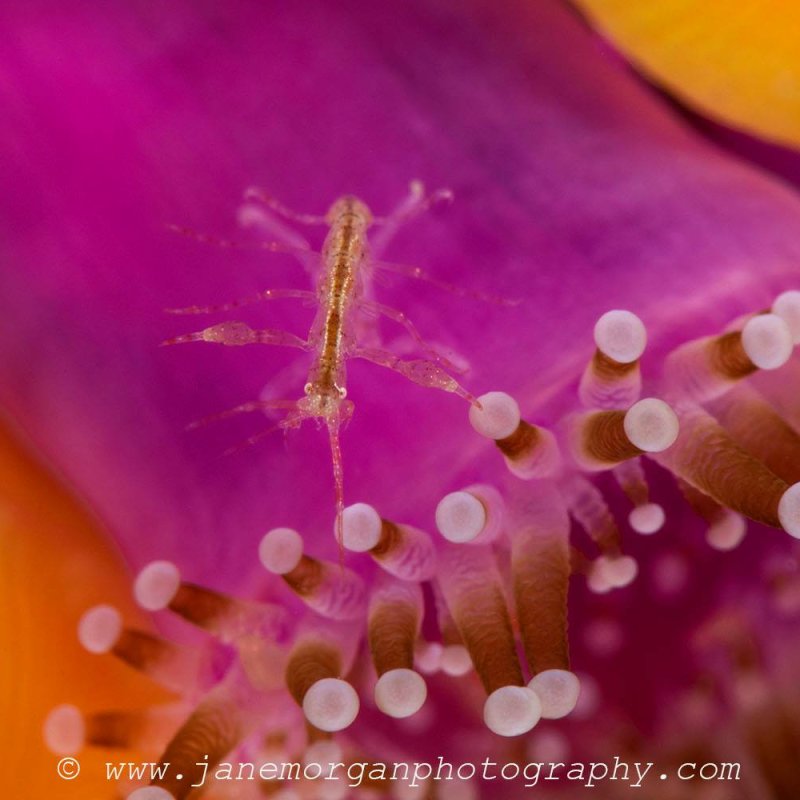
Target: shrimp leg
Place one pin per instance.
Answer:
(421, 371)
(400, 318)
(238, 333)
(414, 204)
(267, 294)
(417, 273)
(261, 220)
(254, 193)
(299, 250)
(245, 408)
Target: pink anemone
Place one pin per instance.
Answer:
(577, 190)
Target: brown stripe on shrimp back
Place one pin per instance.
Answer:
(343, 252)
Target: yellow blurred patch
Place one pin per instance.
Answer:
(55, 562)
(736, 61)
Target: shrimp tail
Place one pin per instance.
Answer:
(334, 423)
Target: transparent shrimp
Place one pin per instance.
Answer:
(342, 296)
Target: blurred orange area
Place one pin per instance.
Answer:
(736, 62)
(55, 562)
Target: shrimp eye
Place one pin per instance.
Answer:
(342, 392)
(308, 388)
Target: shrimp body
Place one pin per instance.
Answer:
(339, 287)
(338, 332)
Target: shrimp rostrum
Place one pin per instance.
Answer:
(342, 294)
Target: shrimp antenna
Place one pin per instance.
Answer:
(259, 195)
(416, 203)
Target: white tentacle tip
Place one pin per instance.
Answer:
(323, 751)
(428, 657)
(767, 340)
(460, 517)
(597, 581)
(462, 789)
(512, 710)
(647, 518)
(151, 793)
(64, 730)
(651, 425)
(727, 533)
(789, 511)
(621, 336)
(331, 704)
(361, 527)
(622, 571)
(787, 307)
(615, 572)
(558, 690)
(99, 628)
(455, 660)
(400, 693)
(280, 550)
(497, 417)
(156, 585)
